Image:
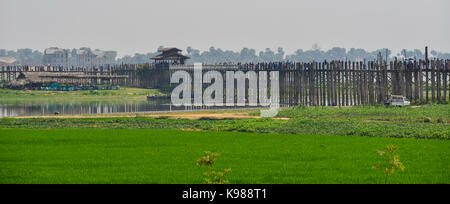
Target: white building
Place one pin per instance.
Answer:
(56, 57)
(88, 58)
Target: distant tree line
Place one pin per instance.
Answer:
(315, 54)
(35, 57)
(217, 55)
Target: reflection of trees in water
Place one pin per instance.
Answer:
(5, 111)
(8, 110)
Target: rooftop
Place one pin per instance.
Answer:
(170, 54)
(53, 50)
(169, 49)
(7, 60)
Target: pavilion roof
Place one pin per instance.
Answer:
(170, 54)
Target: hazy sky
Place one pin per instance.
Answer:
(130, 26)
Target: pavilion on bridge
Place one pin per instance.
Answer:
(170, 56)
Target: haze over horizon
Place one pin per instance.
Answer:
(138, 26)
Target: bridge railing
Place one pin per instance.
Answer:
(217, 67)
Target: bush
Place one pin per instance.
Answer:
(212, 176)
(391, 162)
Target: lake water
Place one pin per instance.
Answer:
(46, 108)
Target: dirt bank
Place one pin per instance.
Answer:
(191, 115)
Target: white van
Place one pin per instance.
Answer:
(396, 100)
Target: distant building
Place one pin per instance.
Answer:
(100, 58)
(88, 58)
(170, 56)
(56, 57)
(83, 58)
(7, 61)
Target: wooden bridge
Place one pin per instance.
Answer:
(79, 76)
(336, 83)
(345, 83)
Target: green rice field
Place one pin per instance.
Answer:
(305, 145)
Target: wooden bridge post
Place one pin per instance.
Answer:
(348, 96)
(344, 83)
(366, 82)
(394, 77)
(293, 89)
(335, 84)
(438, 80)
(300, 82)
(341, 83)
(362, 67)
(427, 68)
(303, 83)
(338, 83)
(282, 90)
(416, 81)
(421, 81)
(360, 83)
(287, 84)
(405, 79)
(384, 81)
(408, 78)
(8, 74)
(315, 83)
(433, 90)
(371, 85)
(312, 83)
(446, 74)
(354, 85)
(296, 84)
(318, 85)
(324, 85)
(318, 81)
(328, 81)
(378, 82)
(402, 85)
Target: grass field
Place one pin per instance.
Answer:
(168, 156)
(308, 145)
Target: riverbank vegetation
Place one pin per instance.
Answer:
(431, 122)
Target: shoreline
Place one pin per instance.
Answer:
(183, 114)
